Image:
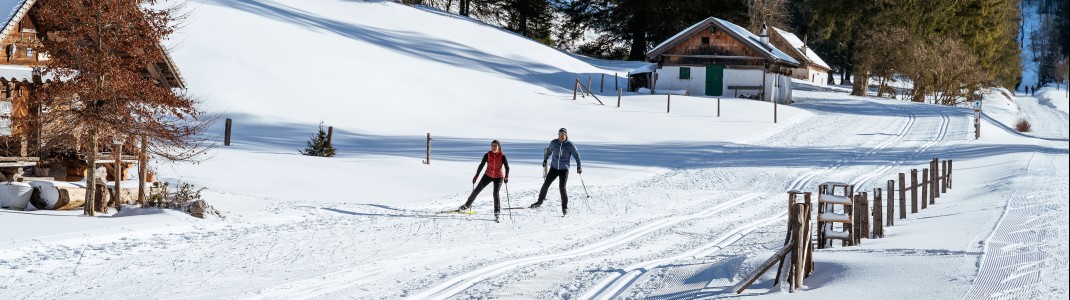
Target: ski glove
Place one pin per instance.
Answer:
(506, 179)
(544, 164)
(579, 171)
(474, 178)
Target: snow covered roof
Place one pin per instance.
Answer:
(648, 68)
(798, 47)
(12, 11)
(740, 33)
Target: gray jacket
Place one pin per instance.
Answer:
(560, 152)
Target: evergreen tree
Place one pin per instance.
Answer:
(319, 145)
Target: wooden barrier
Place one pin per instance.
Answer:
(902, 196)
(797, 250)
(878, 225)
(924, 188)
(891, 204)
(913, 191)
(827, 217)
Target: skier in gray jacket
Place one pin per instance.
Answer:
(560, 150)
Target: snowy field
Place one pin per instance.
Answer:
(681, 205)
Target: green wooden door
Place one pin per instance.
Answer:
(714, 80)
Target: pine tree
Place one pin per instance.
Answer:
(319, 144)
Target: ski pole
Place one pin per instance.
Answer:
(509, 203)
(584, 186)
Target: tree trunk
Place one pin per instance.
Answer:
(90, 175)
(919, 91)
(142, 168)
(858, 88)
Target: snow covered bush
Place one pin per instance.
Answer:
(319, 145)
(186, 199)
(1023, 125)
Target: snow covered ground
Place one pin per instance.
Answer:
(681, 205)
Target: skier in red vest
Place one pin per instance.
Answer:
(494, 160)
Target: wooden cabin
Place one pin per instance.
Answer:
(715, 57)
(812, 68)
(20, 63)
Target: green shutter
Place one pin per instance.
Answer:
(685, 73)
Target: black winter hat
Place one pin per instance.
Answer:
(562, 130)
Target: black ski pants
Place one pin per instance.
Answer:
(550, 176)
(479, 188)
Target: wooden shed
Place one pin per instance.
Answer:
(812, 68)
(715, 57)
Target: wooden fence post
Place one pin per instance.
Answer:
(142, 169)
(428, 161)
(891, 204)
(878, 214)
(619, 93)
(602, 84)
(913, 191)
(936, 177)
(575, 87)
(902, 196)
(616, 85)
(932, 182)
(774, 111)
(924, 187)
(226, 133)
(718, 107)
(943, 182)
(801, 237)
(668, 102)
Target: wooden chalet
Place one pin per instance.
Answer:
(812, 68)
(20, 65)
(715, 57)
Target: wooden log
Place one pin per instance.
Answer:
(924, 188)
(913, 191)
(779, 255)
(891, 204)
(902, 196)
(70, 198)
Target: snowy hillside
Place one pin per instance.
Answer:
(676, 205)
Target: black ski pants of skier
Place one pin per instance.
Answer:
(550, 176)
(479, 188)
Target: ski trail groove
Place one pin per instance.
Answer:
(459, 283)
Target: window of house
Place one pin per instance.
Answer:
(29, 52)
(685, 73)
(705, 40)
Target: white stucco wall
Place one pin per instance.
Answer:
(669, 79)
(812, 75)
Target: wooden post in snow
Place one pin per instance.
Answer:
(575, 87)
(226, 133)
(924, 188)
(668, 102)
(943, 184)
(616, 85)
(936, 177)
(878, 214)
(428, 160)
(949, 169)
(913, 191)
(890, 221)
(902, 196)
(589, 85)
(619, 93)
(602, 84)
(718, 107)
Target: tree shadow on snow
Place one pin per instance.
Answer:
(417, 45)
(254, 134)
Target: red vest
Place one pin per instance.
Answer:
(494, 164)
